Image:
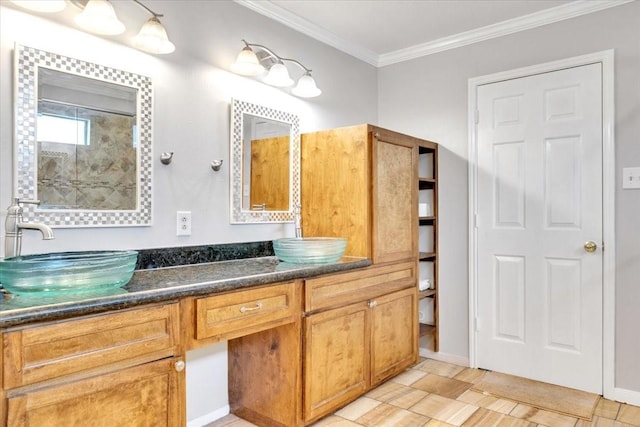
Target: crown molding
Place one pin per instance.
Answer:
(522, 23)
(271, 10)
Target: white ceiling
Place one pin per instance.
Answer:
(383, 32)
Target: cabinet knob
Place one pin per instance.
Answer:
(373, 304)
(179, 365)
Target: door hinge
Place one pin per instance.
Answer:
(477, 116)
(476, 326)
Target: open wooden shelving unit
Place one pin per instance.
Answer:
(428, 240)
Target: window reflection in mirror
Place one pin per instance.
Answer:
(86, 143)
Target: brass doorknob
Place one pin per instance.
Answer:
(590, 246)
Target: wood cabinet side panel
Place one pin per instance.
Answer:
(265, 376)
(335, 187)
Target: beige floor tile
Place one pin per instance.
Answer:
(509, 421)
(607, 409)
(357, 408)
(409, 376)
(447, 387)
(601, 422)
(230, 421)
(409, 399)
(443, 409)
(629, 414)
(471, 375)
(542, 417)
(335, 421)
(440, 368)
(484, 417)
(489, 402)
(436, 423)
(390, 416)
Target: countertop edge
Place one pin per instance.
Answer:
(94, 305)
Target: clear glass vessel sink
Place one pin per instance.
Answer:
(306, 250)
(64, 272)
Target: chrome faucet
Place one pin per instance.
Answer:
(14, 225)
(297, 220)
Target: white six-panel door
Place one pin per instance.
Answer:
(539, 200)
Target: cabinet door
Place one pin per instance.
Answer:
(336, 368)
(394, 334)
(394, 197)
(145, 395)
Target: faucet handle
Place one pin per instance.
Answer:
(18, 201)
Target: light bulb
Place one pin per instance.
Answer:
(153, 38)
(99, 17)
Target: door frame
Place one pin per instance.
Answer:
(606, 58)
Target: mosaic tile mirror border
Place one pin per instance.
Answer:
(238, 110)
(27, 61)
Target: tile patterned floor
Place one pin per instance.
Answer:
(437, 394)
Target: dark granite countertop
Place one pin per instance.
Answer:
(166, 284)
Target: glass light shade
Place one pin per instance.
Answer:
(47, 6)
(153, 38)
(99, 17)
(247, 63)
(278, 76)
(306, 87)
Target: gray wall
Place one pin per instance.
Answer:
(191, 117)
(427, 97)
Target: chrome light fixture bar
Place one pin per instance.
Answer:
(252, 63)
(99, 17)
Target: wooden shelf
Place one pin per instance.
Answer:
(426, 330)
(426, 183)
(426, 293)
(427, 256)
(428, 231)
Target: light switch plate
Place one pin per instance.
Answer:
(631, 178)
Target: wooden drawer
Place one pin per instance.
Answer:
(340, 289)
(38, 353)
(236, 314)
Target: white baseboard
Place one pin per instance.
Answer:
(625, 396)
(443, 357)
(209, 418)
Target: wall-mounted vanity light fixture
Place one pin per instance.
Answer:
(99, 17)
(254, 63)
(216, 165)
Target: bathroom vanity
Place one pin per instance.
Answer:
(303, 341)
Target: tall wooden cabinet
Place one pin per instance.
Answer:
(359, 182)
(428, 244)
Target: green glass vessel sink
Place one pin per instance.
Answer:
(310, 250)
(65, 272)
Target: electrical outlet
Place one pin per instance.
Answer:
(183, 223)
(630, 178)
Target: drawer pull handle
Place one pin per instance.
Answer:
(244, 309)
(373, 304)
(179, 366)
